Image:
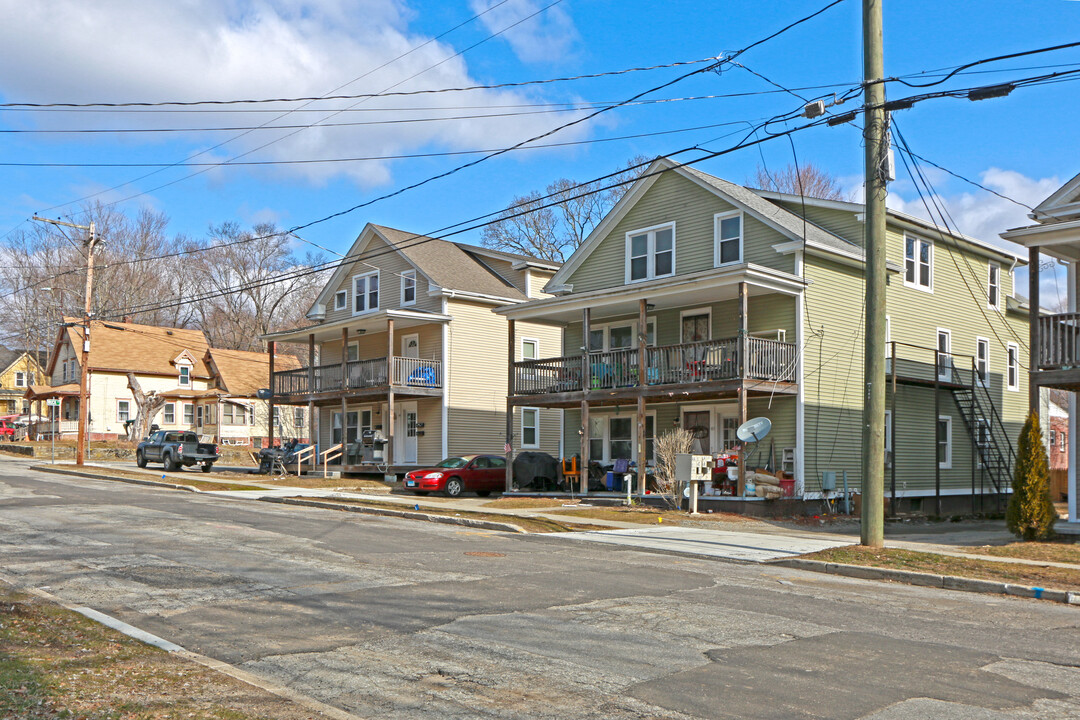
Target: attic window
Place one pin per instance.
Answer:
(341, 299)
(408, 287)
(20, 379)
(366, 293)
(185, 376)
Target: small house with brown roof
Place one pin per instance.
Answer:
(210, 391)
(19, 369)
(407, 344)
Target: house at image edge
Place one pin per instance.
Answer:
(699, 303)
(405, 342)
(19, 369)
(208, 390)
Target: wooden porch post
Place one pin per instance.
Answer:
(390, 392)
(509, 447)
(270, 348)
(586, 385)
(344, 403)
(312, 437)
(642, 341)
(344, 362)
(584, 446)
(744, 351)
(1033, 329)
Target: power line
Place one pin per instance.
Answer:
(996, 58)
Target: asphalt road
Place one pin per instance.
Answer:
(402, 619)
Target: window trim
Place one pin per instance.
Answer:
(367, 292)
(916, 284)
(991, 286)
(650, 252)
(983, 342)
(717, 218)
(944, 373)
(185, 407)
(298, 418)
(167, 410)
(1012, 366)
(341, 300)
(536, 428)
(946, 464)
(408, 274)
(126, 402)
(605, 438)
(182, 376)
(536, 352)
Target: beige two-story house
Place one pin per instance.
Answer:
(405, 342)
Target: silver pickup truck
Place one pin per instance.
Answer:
(175, 448)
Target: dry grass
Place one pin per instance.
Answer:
(529, 524)
(308, 481)
(55, 663)
(525, 503)
(651, 516)
(1041, 576)
(1044, 551)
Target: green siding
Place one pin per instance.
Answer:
(674, 198)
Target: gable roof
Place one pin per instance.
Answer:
(10, 356)
(243, 373)
(449, 265)
(128, 347)
(1063, 203)
(777, 217)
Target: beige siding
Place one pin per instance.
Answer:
(537, 280)
(390, 264)
(478, 379)
(374, 345)
(673, 198)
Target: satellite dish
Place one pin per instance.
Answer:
(754, 430)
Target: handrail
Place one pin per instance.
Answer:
(304, 454)
(999, 421)
(327, 457)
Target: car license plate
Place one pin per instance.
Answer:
(410, 483)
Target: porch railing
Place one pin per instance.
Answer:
(709, 360)
(407, 372)
(415, 372)
(1059, 341)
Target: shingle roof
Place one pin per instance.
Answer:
(789, 221)
(244, 373)
(145, 349)
(449, 265)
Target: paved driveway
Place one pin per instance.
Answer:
(398, 619)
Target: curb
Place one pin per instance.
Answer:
(220, 666)
(947, 582)
(408, 514)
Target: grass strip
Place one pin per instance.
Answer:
(914, 561)
(1062, 552)
(55, 663)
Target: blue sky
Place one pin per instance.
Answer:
(67, 51)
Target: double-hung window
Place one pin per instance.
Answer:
(170, 413)
(650, 253)
(20, 379)
(530, 428)
(918, 263)
(185, 376)
(408, 287)
(227, 414)
(1013, 366)
(728, 232)
(944, 442)
(366, 292)
(982, 360)
(993, 290)
(123, 411)
(298, 417)
(189, 414)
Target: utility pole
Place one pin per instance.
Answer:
(90, 244)
(875, 134)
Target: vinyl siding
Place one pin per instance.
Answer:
(478, 374)
(428, 412)
(374, 345)
(839, 222)
(674, 198)
(537, 280)
(390, 264)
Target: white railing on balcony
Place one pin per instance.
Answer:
(416, 372)
(1059, 341)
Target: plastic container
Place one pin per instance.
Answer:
(787, 487)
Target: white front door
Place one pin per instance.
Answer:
(410, 346)
(405, 418)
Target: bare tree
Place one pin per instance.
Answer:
(573, 210)
(147, 405)
(668, 445)
(809, 180)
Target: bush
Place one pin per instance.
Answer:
(1031, 513)
(666, 447)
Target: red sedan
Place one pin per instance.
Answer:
(477, 473)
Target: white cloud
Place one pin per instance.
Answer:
(548, 36)
(132, 50)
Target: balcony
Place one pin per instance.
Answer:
(711, 361)
(1059, 341)
(408, 375)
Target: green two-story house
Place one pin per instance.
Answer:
(700, 303)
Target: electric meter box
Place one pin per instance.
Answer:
(693, 468)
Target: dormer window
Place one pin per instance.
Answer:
(185, 376)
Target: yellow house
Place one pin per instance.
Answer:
(20, 370)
